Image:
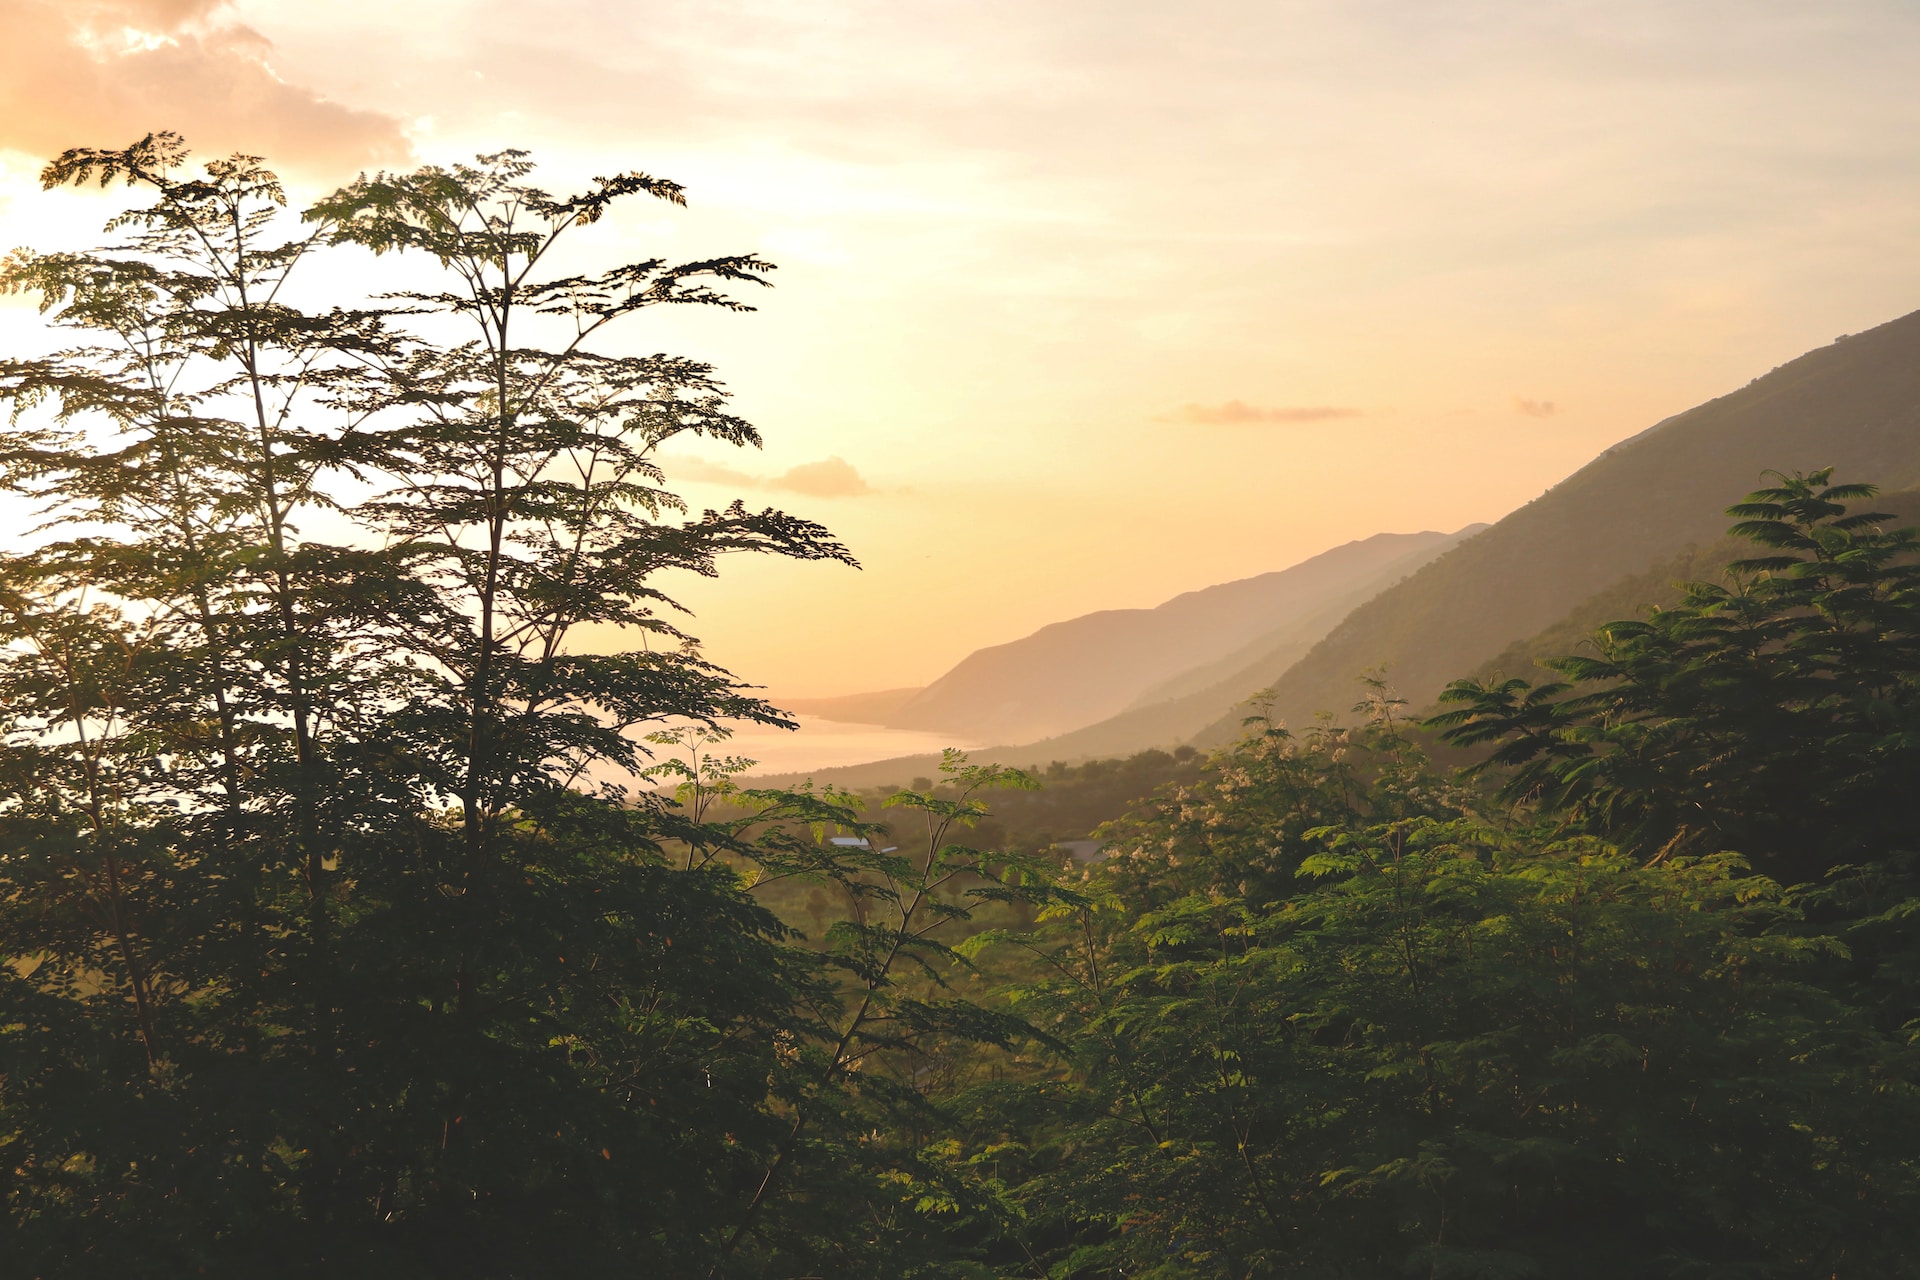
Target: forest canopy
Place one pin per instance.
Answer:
(355, 922)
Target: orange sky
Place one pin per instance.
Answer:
(1087, 303)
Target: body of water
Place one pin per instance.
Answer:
(824, 744)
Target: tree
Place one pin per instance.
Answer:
(335, 944)
(1775, 714)
(1328, 1019)
(862, 1181)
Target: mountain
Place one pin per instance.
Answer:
(854, 708)
(1084, 670)
(1602, 544)
(1655, 587)
(1164, 713)
(1176, 709)
(1854, 405)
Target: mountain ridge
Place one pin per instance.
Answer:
(1854, 405)
(1079, 671)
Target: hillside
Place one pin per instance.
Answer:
(1075, 673)
(1854, 405)
(1656, 587)
(854, 708)
(1164, 714)
(1177, 709)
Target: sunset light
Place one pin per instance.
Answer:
(959, 640)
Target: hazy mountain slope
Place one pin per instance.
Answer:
(1854, 405)
(1300, 635)
(1175, 709)
(853, 708)
(1657, 586)
(1174, 721)
(1626, 597)
(1274, 651)
(1076, 672)
(1633, 595)
(1161, 724)
(1183, 703)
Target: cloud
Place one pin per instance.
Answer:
(829, 478)
(1234, 412)
(1535, 408)
(105, 72)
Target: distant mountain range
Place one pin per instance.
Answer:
(1431, 607)
(1074, 673)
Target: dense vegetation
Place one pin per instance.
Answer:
(1636, 1000)
(354, 922)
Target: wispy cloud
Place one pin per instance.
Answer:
(828, 478)
(104, 72)
(1236, 412)
(1535, 408)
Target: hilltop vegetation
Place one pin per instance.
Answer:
(324, 957)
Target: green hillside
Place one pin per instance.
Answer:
(1854, 405)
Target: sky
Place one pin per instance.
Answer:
(1084, 304)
